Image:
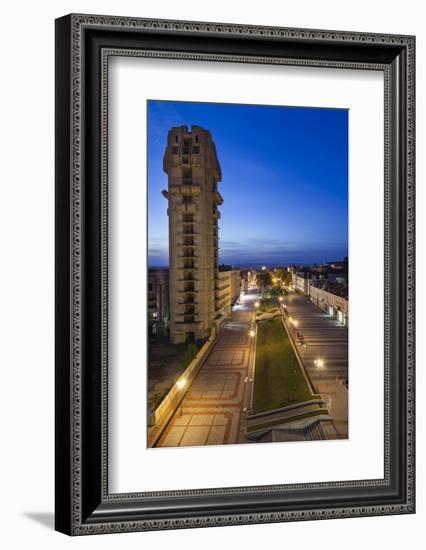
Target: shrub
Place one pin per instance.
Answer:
(190, 353)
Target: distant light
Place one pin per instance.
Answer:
(281, 298)
(319, 363)
(252, 333)
(181, 383)
(295, 322)
(263, 267)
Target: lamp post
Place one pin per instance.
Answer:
(320, 364)
(295, 324)
(304, 346)
(180, 384)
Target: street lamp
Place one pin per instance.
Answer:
(320, 364)
(252, 333)
(256, 304)
(181, 383)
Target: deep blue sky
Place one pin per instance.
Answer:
(284, 180)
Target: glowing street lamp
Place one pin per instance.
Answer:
(256, 304)
(252, 333)
(280, 298)
(320, 364)
(181, 383)
(295, 322)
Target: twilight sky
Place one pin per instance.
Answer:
(284, 181)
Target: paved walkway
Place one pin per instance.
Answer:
(213, 410)
(327, 340)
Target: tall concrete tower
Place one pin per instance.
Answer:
(193, 169)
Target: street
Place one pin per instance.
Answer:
(325, 356)
(212, 411)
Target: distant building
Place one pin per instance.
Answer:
(335, 306)
(300, 280)
(228, 290)
(158, 299)
(193, 170)
(327, 287)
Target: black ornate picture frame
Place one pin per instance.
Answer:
(84, 44)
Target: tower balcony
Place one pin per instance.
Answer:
(187, 291)
(184, 223)
(186, 309)
(188, 302)
(190, 208)
(187, 277)
(187, 255)
(187, 264)
(189, 321)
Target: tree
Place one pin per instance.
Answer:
(288, 278)
(284, 275)
(264, 279)
(277, 291)
(190, 353)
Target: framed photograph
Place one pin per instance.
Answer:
(234, 274)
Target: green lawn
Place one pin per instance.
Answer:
(267, 305)
(278, 379)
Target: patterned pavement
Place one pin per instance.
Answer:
(212, 412)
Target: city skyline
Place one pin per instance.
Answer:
(285, 181)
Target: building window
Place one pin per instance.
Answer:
(150, 285)
(186, 145)
(187, 174)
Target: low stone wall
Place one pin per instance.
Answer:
(311, 409)
(168, 405)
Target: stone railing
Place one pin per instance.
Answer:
(162, 414)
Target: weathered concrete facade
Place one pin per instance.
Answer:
(193, 170)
